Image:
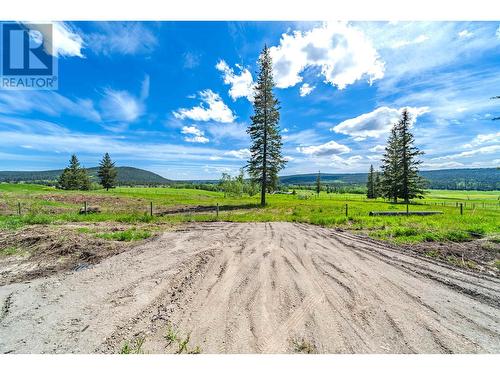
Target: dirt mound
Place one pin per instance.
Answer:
(44, 250)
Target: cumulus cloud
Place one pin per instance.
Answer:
(326, 149)
(193, 134)
(484, 138)
(376, 123)
(65, 41)
(242, 85)
(346, 162)
(124, 38)
(243, 153)
(341, 51)
(306, 89)
(212, 108)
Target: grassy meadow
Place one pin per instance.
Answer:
(46, 205)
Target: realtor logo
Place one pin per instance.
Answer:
(27, 60)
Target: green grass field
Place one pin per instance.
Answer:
(45, 205)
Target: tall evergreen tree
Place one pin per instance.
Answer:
(74, 177)
(376, 185)
(391, 172)
(412, 185)
(107, 172)
(266, 159)
(318, 183)
(370, 184)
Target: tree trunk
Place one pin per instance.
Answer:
(264, 161)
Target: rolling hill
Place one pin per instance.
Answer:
(126, 176)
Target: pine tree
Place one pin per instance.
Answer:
(318, 183)
(266, 159)
(391, 173)
(107, 172)
(376, 185)
(74, 177)
(370, 184)
(412, 185)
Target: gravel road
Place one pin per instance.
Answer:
(256, 288)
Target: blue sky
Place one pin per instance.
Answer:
(176, 97)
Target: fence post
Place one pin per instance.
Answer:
(346, 210)
(85, 207)
(461, 209)
(19, 208)
(407, 209)
(217, 211)
(151, 208)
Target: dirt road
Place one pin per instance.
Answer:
(256, 288)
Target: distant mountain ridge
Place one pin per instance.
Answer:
(453, 179)
(125, 176)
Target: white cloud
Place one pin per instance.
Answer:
(450, 164)
(376, 123)
(484, 138)
(66, 42)
(326, 149)
(125, 38)
(377, 148)
(442, 48)
(212, 108)
(403, 43)
(486, 150)
(351, 161)
(465, 34)
(288, 158)
(193, 134)
(306, 89)
(120, 105)
(48, 102)
(242, 85)
(341, 51)
(243, 153)
(498, 32)
(191, 60)
(229, 130)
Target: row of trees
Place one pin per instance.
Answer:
(400, 164)
(75, 177)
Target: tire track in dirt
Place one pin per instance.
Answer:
(257, 287)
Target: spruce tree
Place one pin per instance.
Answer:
(107, 172)
(74, 177)
(412, 185)
(370, 184)
(266, 159)
(391, 172)
(318, 183)
(376, 185)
